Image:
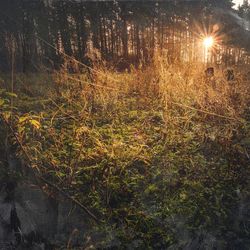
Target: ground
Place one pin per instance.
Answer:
(160, 156)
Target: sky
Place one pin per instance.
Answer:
(237, 2)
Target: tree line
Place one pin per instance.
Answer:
(43, 32)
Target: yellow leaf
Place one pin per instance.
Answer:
(35, 123)
(23, 119)
(7, 115)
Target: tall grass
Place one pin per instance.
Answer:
(140, 145)
(179, 83)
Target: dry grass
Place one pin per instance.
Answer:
(156, 136)
(183, 84)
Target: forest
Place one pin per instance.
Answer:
(124, 125)
(121, 32)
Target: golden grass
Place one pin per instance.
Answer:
(181, 89)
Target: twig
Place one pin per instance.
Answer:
(204, 111)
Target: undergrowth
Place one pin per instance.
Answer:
(160, 155)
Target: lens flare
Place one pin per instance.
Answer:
(208, 42)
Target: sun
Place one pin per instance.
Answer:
(208, 42)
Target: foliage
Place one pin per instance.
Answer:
(123, 32)
(152, 152)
